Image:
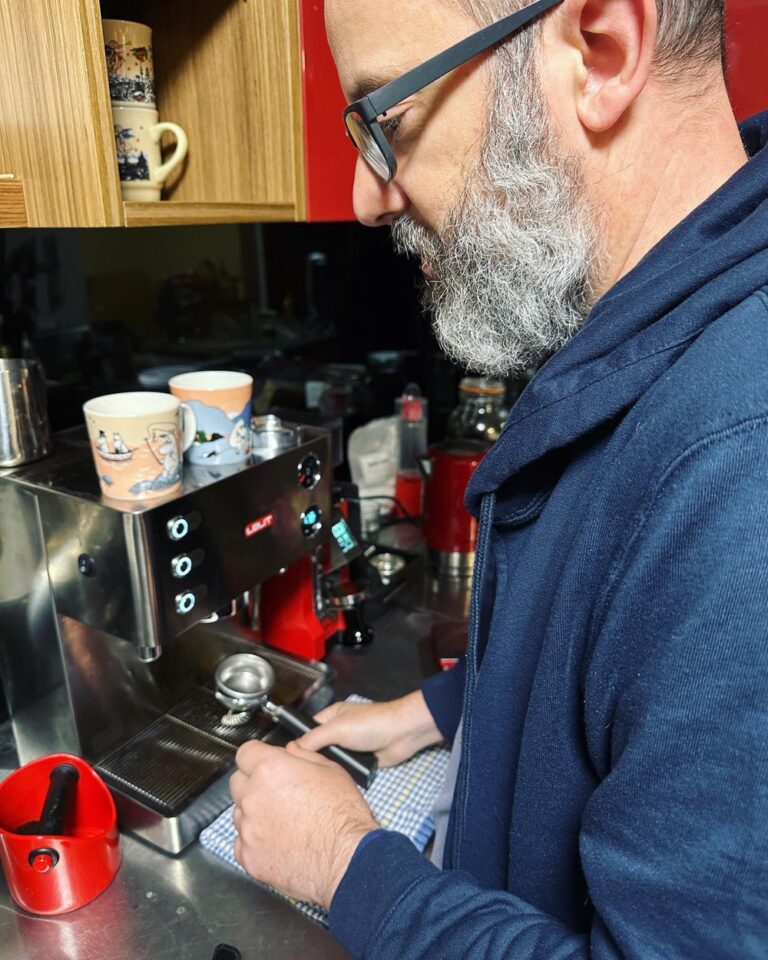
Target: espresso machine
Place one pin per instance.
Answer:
(111, 623)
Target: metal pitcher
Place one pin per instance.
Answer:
(25, 434)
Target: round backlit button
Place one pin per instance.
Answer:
(311, 520)
(178, 528)
(185, 602)
(309, 472)
(181, 565)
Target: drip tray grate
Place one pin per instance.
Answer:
(173, 760)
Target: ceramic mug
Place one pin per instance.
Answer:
(216, 410)
(137, 143)
(130, 70)
(136, 444)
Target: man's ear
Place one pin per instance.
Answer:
(614, 41)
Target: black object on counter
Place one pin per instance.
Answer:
(57, 802)
(224, 952)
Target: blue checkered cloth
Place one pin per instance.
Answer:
(401, 798)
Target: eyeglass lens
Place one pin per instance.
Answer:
(370, 150)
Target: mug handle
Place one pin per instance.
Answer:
(182, 145)
(188, 426)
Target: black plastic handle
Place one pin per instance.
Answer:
(61, 788)
(361, 766)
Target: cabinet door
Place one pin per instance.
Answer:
(329, 158)
(56, 133)
(747, 33)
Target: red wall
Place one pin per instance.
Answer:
(330, 158)
(328, 155)
(747, 32)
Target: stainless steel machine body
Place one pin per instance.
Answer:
(102, 649)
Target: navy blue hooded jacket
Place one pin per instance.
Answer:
(612, 795)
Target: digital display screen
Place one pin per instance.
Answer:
(343, 536)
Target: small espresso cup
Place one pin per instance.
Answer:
(137, 144)
(130, 70)
(136, 444)
(216, 410)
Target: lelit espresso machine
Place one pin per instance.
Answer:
(104, 651)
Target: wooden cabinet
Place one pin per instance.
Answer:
(230, 72)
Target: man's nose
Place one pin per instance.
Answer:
(376, 203)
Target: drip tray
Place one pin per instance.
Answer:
(178, 758)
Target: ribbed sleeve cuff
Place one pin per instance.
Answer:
(444, 694)
(383, 867)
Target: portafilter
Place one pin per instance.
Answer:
(243, 684)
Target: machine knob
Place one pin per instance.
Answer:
(185, 602)
(311, 520)
(181, 565)
(178, 528)
(309, 472)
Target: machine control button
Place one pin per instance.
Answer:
(86, 565)
(311, 520)
(178, 528)
(309, 472)
(185, 602)
(181, 565)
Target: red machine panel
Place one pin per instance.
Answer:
(330, 158)
(747, 32)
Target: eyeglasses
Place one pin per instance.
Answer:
(361, 117)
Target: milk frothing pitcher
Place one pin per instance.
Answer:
(24, 430)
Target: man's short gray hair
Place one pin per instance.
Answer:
(690, 31)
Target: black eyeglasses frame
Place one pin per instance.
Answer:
(379, 101)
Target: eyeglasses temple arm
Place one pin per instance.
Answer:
(396, 90)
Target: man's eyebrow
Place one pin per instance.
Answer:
(368, 84)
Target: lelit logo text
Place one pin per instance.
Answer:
(256, 526)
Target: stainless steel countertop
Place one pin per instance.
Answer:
(180, 908)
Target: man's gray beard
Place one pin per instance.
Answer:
(512, 268)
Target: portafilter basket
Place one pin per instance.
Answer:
(243, 684)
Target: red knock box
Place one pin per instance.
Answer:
(55, 874)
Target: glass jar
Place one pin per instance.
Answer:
(480, 413)
(346, 393)
(412, 435)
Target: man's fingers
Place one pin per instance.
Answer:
(329, 712)
(238, 784)
(297, 750)
(319, 737)
(251, 754)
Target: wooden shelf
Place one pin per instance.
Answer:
(164, 213)
(13, 209)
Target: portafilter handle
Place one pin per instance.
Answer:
(361, 765)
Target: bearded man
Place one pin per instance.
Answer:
(573, 181)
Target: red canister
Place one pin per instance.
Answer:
(55, 874)
(450, 531)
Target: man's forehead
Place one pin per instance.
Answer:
(374, 41)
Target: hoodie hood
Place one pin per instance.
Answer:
(711, 261)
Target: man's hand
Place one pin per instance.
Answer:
(299, 818)
(395, 730)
